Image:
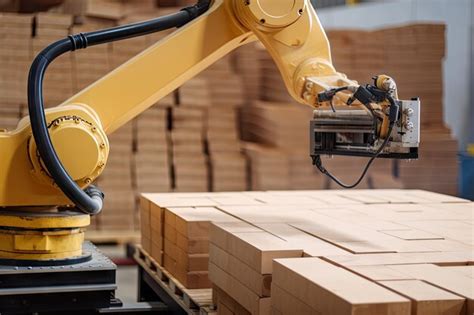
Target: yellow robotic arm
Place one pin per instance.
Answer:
(290, 30)
(55, 154)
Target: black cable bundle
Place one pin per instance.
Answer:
(89, 201)
(393, 115)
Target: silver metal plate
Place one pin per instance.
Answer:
(411, 117)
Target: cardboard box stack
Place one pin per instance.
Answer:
(9, 116)
(15, 59)
(85, 10)
(123, 50)
(281, 159)
(227, 163)
(116, 181)
(152, 160)
(210, 103)
(305, 252)
(269, 167)
(189, 158)
(272, 87)
(246, 61)
(413, 55)
(92, 63)
(59, 79)
(225, 85)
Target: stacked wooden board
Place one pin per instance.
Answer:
(325, 252)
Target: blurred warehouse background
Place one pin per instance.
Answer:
(234, 127)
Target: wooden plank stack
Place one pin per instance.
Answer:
(328, 252)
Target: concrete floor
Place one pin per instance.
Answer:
(127, 276)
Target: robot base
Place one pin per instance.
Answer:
(80, 287)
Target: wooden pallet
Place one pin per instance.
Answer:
(113, 237)
(194, 301)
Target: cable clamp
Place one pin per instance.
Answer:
(78, 41)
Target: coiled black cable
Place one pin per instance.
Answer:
(393, 116)
(89, 201)
(319, 164)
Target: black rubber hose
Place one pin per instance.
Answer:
(393, 116)
(89, 201)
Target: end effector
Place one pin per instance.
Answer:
(370, 120)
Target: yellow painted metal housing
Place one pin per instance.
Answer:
(41, 235)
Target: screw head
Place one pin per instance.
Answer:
(409, 112)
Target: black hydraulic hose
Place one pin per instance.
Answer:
(89, 201)
(393, 116)
(322, 169)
